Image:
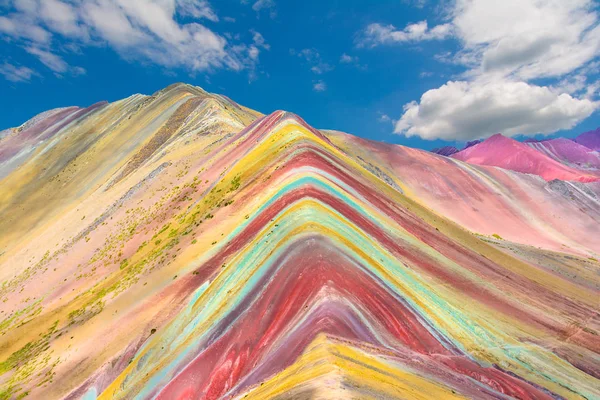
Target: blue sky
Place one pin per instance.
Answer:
(414, 72)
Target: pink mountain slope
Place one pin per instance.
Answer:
(509, 154)
(569, 153)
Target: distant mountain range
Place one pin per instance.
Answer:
(575, 159)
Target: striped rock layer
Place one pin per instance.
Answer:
(180, 246)
(570, 153)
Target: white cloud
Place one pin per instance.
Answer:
(77, 71)
(55, 62)
(265, 5)
(321, 68)
(416, 3)
(384, 117)
(253, 52)
(319, 86)
(29, 6)
(471, 110)
(377, 34)
(593, 89)
(16, 74)
(313, 58)
(572, 84)
(164, 32)
(504, 46)
(346, 59)
(111, 24)
(527, 38)
(584, 82)
(196, 9)
(309, 55)
(261, 4)
(352, 60)
(139, 31)
(259, 40)
(18, 27)
(60, 17)
(50, 60)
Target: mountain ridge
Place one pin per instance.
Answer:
(278, 259)
(507, 153)
(569, 153)
(590, 139)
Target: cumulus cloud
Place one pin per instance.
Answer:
(16, 73)
(377, 34)
(505, 46)
(528, 38)
(168, 33)
(470, 110)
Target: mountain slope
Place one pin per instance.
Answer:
(569, 153)
(445, 151)
(590, 139)
(503, 152)
(486, 200)
(210, 260)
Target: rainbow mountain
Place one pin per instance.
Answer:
(182, 246)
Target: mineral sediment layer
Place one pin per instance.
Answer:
(181, 246)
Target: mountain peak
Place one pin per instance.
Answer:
(179, 87)
(504, 152)
(215, 252)
(498, 138)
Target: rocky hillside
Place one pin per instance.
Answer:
(181, 246)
